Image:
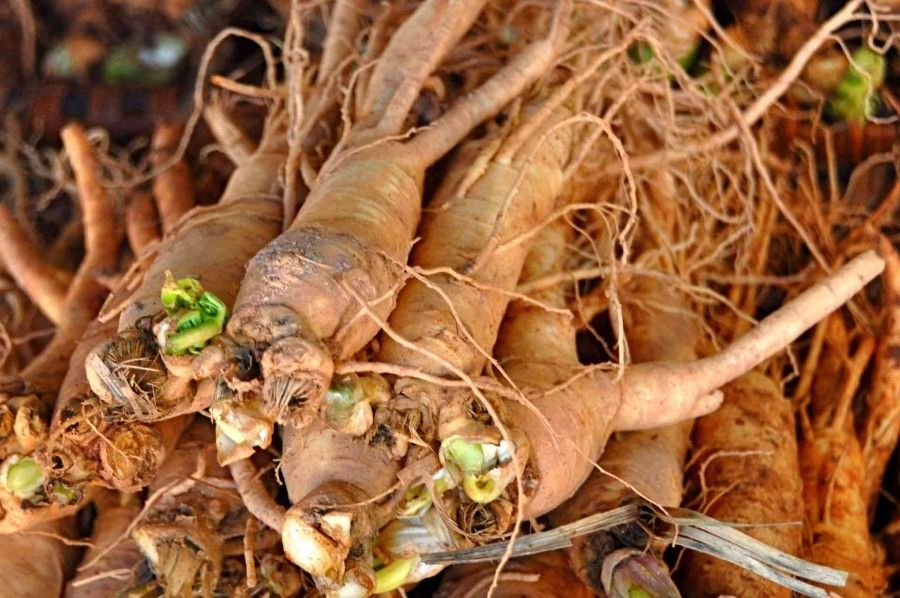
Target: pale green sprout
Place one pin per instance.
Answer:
(347, 407)
(477, 462)
(418, 499)
(199, 316)
(467, 456)
(855, 98)
(63, 493)
(393, 575)
(483, 488)
(21, 476)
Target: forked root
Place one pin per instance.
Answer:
(687, 389)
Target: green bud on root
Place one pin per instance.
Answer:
(393, 575)
(467, 456)
(855, 97)
(196, 316)
(483, 488)
(22, 476)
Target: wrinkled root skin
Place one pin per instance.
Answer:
(540, 575)
(293, 307)
(23, 425)
(131, 458)
(184, 535)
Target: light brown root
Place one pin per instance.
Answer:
(755, 480)
(134, 381)
(837, 523)
(230, 137)
(141, 223)
(115, 512)
(255, 496)
(543, 575)
(882, 420)
(26, 574)
(21, 257)
(409, 58)
(700, 379)
(173, 187)
(185, 536)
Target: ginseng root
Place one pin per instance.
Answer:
(299, 303)
(649, 463)
(836, 530)
(111, 562)
(745, 468)
(584, 407)
(44, 384)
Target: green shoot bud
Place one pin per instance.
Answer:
(180, 294)
(417, 499)
(640, 52)
(122, 66)
(392, 576)
(22, 477)
(192, 340)
(61, 493)
(482, 488)
(467, 456)
(212, 308)
(855, 97)
(442, 481)
(198, 316)
(343, 394)
(689, 58)
(191, 318)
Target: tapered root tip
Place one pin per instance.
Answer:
(314, 550)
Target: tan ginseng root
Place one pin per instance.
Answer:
(299, 303)
(658, 325)
(195, 519)
(119, 557)
(141, 224)
(881, 426)
(37, 563)
(512, 188)
(836, 523)
(539, 576)
(199, 538)
(93, 438)
(29, 399)
(745, 470)
(149, 372)
(23, 259)
(537, 349)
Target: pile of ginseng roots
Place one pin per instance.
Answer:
(427, 276)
